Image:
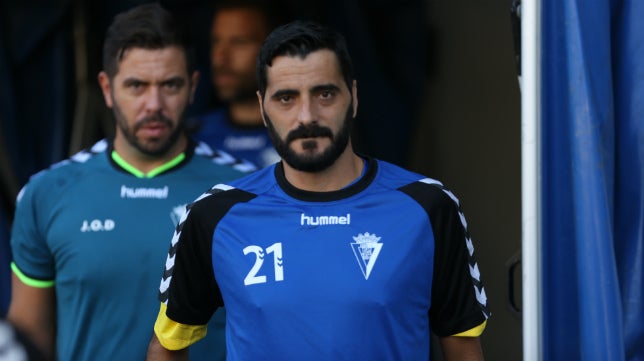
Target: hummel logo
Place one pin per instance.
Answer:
(324, 220)
(158, 193)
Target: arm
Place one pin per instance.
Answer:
(456, 348)
(156, 352)
(32, 311)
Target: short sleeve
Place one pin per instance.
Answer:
(32, 257)
(459, 302)
(188, 287)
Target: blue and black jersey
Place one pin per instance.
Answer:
(363, 273)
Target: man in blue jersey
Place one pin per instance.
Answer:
(327, 255)
(87, 239)
(237, 32)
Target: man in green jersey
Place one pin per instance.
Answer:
(90, 233)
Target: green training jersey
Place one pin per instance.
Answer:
(98, 231)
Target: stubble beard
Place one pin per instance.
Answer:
(151, 147)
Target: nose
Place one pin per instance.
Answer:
(153, 100)
(306, 113)
(219, 54)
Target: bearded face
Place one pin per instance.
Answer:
(308, 109)
(312, 159)
(153, 135)
(149, 95)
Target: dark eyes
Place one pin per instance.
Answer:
(171, 86)
(135, 84)
(327, 94)
(324, 96)
(285, 98)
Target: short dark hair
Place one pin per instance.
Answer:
(300, 38)
(147, 26)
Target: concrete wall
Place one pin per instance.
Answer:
(469, 136)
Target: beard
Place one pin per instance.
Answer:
(309, 162)
(154, 147)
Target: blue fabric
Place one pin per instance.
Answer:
(250, 143)
(593, 166)
(327, 275)
(628, 72)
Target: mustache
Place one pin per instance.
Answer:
(159, 118)
(311, 130)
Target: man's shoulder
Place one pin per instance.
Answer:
(222, 160)
(395, 176)
(79, 162)
(423, 189)
(63, 174)
(216, 114)
(243, 188)
(215, 203)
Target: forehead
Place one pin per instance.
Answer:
(151, 64)
(294, 72)
(240, 22)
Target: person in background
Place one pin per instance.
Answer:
(238, 29)
(347, 258)
(86, 239)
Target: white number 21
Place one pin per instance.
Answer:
(276, 249)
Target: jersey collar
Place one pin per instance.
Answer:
(178, 161)
(354, 188)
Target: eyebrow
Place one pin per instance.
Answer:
(315, 89)
(178, 80)
(325, 87)
(282, 92)
(132, 80)
(174, 79)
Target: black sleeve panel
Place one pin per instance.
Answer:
(193, 294)
(458, 298)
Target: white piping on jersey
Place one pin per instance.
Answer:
(169, 263)
(223, 187)
(84, 155)
(223, 158)
(474, 268)
(80, 157)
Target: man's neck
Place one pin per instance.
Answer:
(245, 112)
(343, 172)
(143, 162)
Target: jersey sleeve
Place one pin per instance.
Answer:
(459, 305)
(33, 261)
(189, 292)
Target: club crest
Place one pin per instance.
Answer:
(366, 248)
